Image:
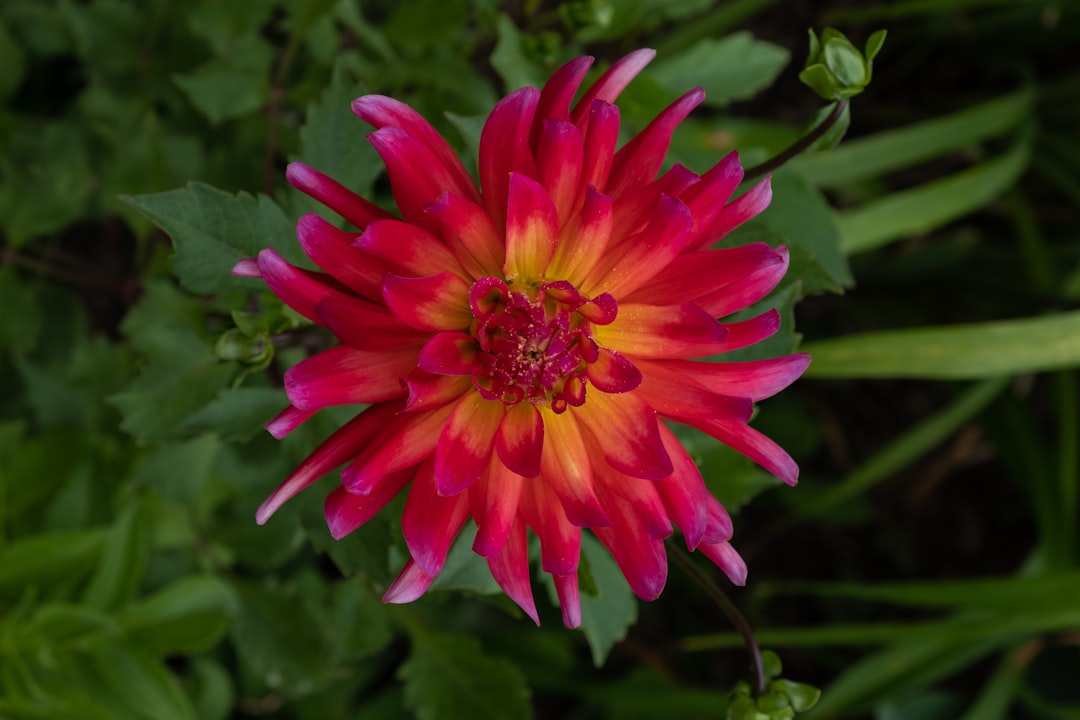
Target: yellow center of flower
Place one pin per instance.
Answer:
(535, 349)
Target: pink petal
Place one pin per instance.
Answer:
(333, 195)
(749, 205)
(343, 375)
(642, 560)
(331, 249)
(559, 160)
(466, 443)
(560, 541)
(719, 527)
(287, 420)
(677, 396)
(612, 82)
(302, 290)
(700, 274)
(750, 332)
(683, 492)
(751, 443)
(470, 234)
(332, 453)
(613, 373)
(434, 303)
(532, 228)
(634, 210)
(510, 568)
(651, 331)
(427, 390)
(583, 241)
(706, 199)
(748, 289)
(367, 326)
(494, 501)
(567, 469)
(407, 250)
(626, 433)
(410, 584)
(431, 520)
(504, 149)
(623, 493)
(346, 511)
(558, 92)
(727, 560)
(520, 439)
(566, 587)
(638, 161)
(246, 267)
(381, 111)
(417, 174)
(756, 379)
(403, 441)
(449, 353)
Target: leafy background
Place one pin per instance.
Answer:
(925, 567)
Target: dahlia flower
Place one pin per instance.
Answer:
(521, 344)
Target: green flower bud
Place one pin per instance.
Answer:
(835, 69)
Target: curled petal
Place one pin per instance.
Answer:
(287, 420)
(651, 331)
(510, 568)
(625, 430)
(557, 94)
(613, 373)
(449, 353)
(427, 390)
(748, 205)
(494, 501)
(520, 439)
(635, 209)
(719, 527)
(410, 584)
(334, 195)
(683, 492)
(727, 559)
(601, 135)
(334, 452)
(751, 443)
(560, 541)
(343, 375)
(748, 289)
(756, 379)
(367, 326)
(332, 250)
(750, 332)
(641, 558)
(706, 198)
(532, 228)
(504, 149)
(612, 82)
(567, 469)
(407, 250)
(470, 234)
(433, 303)
(677, 396)
(466, 443)
(346, 511)
(566, 587)
(404, 440)
(246, 267)
(431, 520)
(559, 160)
(302, 290)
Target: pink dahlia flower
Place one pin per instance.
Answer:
(521, 344)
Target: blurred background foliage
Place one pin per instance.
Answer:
(925, 567)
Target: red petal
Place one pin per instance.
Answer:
(567, 469)
(558, 92)
(431, 521)
(751, 443)
(410, 584)
(403, 441)
(510, 568)
(504, 149)
(428, 391)
(638, 161)
(601, 135)
(727, 560)
(532, 228)
(755, 380)
(683, 492)
(560, 541)
(301, 290)
(494, 501)
(650, 331)
(566, 587)
(677, 396)
(639, 497)
(583, 241)
(332, 453)
(613, 373)
(449, 353)
(559, 159)
(633, 210)
(331, 249)
(333, 195)
(750, 332)
(706, 199)
(346, 511)
(748, 289)
(470, 234)
(626, 432)
(612, 82)
(381, 111)
(344, 375)
(406, 249)
(434, 303)
(367, 326)
(287, 420)
(466, 443)
(719, 527)
(750, 204)
(700, 274)
(641, 559)
(520, 440)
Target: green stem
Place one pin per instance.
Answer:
(682, 559)
(801, 144)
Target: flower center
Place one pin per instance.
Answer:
(536, 348)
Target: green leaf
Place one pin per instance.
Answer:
(605, 618)
(12, 63)
(143, 684)
(872, 156)
(212, 230)
(187, 617)
(124, 556)
(449, 676)
(40, 560)
(509, 59)
(21, 320)
(953, 352)
(734, 68)
(238, 414)
(360, 622)
(223, 91)
(464, 569)
(929, 206)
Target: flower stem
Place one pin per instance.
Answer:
(728, 608)
(801, 144)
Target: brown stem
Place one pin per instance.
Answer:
(728, 608)
(801, 144)
(77, 279)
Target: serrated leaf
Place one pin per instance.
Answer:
(212, 230)
(734, 68)
(449, 676)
